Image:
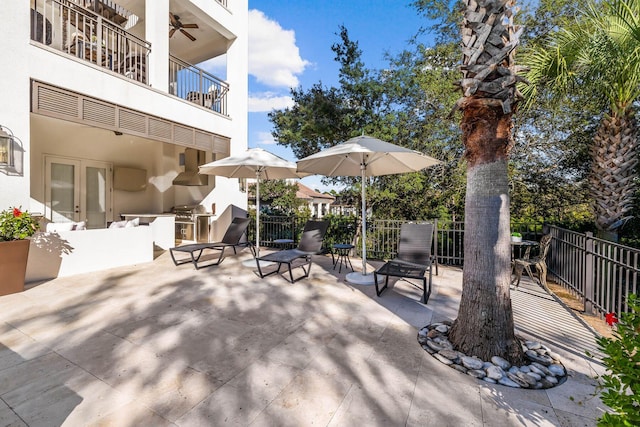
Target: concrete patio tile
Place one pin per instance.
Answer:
(51, 390)
(578, 398)
(299, 348)
(572, 420)
(8, 418)
(114, 360)
(244, 397)
(413, 312)
(27, 379)
(372, 407)
(249, 347)
(343, 357)
(131, 415)
(440, 401)
(173, 392)
(309, 399)
(506, 406)
(80, 401)
(152, 329)
(16, 347)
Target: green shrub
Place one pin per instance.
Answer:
(622, 359)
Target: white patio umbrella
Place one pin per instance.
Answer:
(253, 163)
(364, 156)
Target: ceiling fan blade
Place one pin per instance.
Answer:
(173, 19)
(188, 35)
(171, 31)
(190, 26)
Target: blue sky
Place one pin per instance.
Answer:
(290, 45)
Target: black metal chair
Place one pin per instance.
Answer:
(538, 262)
(231, 239)
(310, 244)
(413, 259)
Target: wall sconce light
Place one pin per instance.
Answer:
(6, 147)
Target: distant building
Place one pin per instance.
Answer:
(318, 203)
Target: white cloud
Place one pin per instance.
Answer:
(274, 58)
(216, 66)
(265, 102)
(265, 138)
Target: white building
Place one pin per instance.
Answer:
(318, 203)
(107, 112)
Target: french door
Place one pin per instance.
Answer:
(78, 190)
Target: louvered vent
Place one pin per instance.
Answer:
(132, 122)
(57, 102)
(67, 105)
(98, 112)
(204, 140)
(159, 129)
(221, 145)
(182, 135)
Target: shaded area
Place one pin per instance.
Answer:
(155, 344)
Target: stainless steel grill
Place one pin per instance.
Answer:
(192, 223)
(187, 213)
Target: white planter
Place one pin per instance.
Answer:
(516, 239)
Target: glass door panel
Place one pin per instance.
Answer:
(62, 198)
(78, 190)
(96, 197)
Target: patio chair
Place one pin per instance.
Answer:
(231, 239)
(539, 262)
(413, 259)
(310, 244)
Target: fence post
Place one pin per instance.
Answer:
(435, 243)
(588, 284)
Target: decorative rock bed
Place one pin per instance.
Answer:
(544, 371)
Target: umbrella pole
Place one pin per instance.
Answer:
(363, 168)
(357, 277)
(258, 213)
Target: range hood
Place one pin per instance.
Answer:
(192, 159)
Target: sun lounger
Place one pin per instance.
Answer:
(231, 239)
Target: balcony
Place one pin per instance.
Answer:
(196, 85)
(94, 31)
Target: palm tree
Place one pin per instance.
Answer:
(599, 52)
(484, 326)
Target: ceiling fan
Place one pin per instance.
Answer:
(174, 20)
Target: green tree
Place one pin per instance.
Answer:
(595, 52)
(277, 196)
(406, 103)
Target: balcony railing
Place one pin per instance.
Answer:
(85, 34)
(222, 2)
(189, 82)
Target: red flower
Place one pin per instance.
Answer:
(611, 318)
(16, 213)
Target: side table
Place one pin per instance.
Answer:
(342, 251)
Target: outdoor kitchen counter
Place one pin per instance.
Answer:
(163, 227)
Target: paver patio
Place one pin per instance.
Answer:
(155, 345)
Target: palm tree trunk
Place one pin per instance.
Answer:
(484, 326)
(614, 153)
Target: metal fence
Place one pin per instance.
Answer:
(600, 272)
(341, 230)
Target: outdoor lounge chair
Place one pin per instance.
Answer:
(413, 259)
(538, 262)
(310, 244)
(231, 238)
